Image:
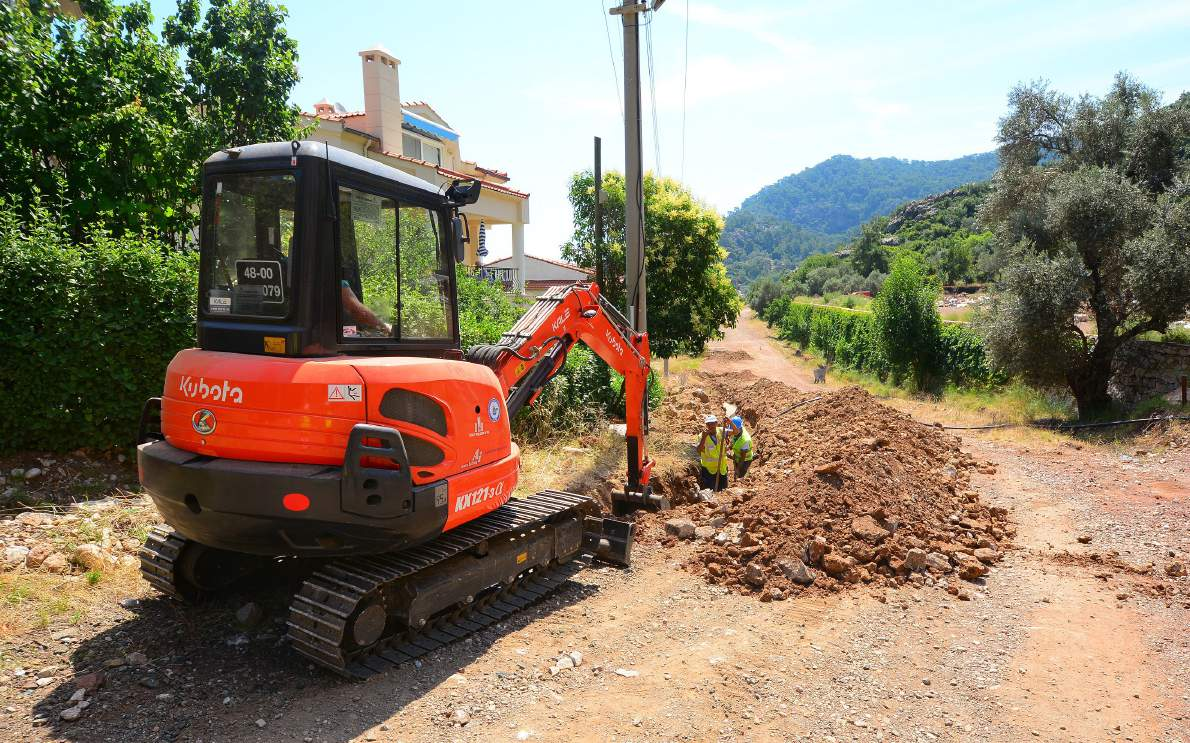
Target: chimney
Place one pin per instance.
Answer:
(382, 97)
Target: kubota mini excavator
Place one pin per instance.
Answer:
(329, 418)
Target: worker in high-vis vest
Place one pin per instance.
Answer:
(742, 449)
(712, 455)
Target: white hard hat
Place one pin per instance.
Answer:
(711, 419)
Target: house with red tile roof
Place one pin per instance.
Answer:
(540, 273)
(413, 137)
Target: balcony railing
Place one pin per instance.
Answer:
(503, 276)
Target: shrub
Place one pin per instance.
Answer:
(906, 320)
(86, 331)
(848, 338)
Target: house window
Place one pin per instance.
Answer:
(419, 149)
(410, 146)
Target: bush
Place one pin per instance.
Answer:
(848, 338)
(906, 320)
(86, 331)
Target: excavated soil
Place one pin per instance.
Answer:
(844, 491)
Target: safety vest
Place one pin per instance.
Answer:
(713, 460)
(742, 446)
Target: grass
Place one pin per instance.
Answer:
(30, 599)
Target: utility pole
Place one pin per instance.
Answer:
(634, 234)
(600, 276)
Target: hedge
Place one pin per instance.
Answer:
(86, 331)
(847, 338)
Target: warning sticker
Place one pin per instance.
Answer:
(344, 392)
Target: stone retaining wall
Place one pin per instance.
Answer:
(1146, 369)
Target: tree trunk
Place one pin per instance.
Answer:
(1089, 384)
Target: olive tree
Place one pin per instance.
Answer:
(1092, 210)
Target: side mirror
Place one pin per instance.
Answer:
(462, 193)
(461, 230)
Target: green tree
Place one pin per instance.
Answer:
(868, 253)
(1092, 210)
(98, 119)
(690, 297)
(906, 321)
(240, 68)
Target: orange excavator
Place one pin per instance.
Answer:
(330, 420)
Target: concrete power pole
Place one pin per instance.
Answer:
(634, 234)
(600, 277)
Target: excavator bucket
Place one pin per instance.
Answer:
(609, 540)
(627, 501)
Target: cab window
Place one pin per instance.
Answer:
(393, 276)
(250, 232)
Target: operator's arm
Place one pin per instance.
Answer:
(360, 312)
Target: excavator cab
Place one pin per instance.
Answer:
(309, 250)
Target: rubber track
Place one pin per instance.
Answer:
(157, 556)
(321, 609)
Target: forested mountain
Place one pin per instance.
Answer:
(823, 206)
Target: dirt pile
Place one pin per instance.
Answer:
(844, 490)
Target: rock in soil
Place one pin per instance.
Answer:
(680, 528)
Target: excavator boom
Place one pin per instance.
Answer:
(533, 351)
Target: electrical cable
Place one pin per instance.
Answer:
(611, 55)
(653, 97)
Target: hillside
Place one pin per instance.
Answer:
(823, 206)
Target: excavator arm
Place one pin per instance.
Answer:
(533, 351)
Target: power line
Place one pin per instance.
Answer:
(685, 73)
(653, 96)
(611, 55)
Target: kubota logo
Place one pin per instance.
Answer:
(203, 421)
(561, 319)
(213, 391)
(479, 495)
(614, 341)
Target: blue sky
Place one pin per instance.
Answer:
(771, 87)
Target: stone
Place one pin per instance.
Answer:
(971, 568)
(1175, 570)
(680, 528)
(776, 594)
(915, 559)
(1084, 538)
(704, 533)
(836, 565)
(249, 615)
(137, 658)
(815, 549)
(33, 518)
(260, 723)
(748, 539)
(869, 530)
(90, 556)
(937, 562)
(987, 555)
(149, 682)
(829, 468)
(460, 717)
(754, 575)
(700, 394)
(55, 562)
(795, 571)
(564, 663)
(38, 553)
(78, 695)
(89, 682)
(576, 657)
(70, 714)
(627, 673)
(32, 472)
(14, 557)
(718, 522)
(706, 495)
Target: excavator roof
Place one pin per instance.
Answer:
(281, 150)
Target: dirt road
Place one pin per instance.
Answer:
(1065, 642)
